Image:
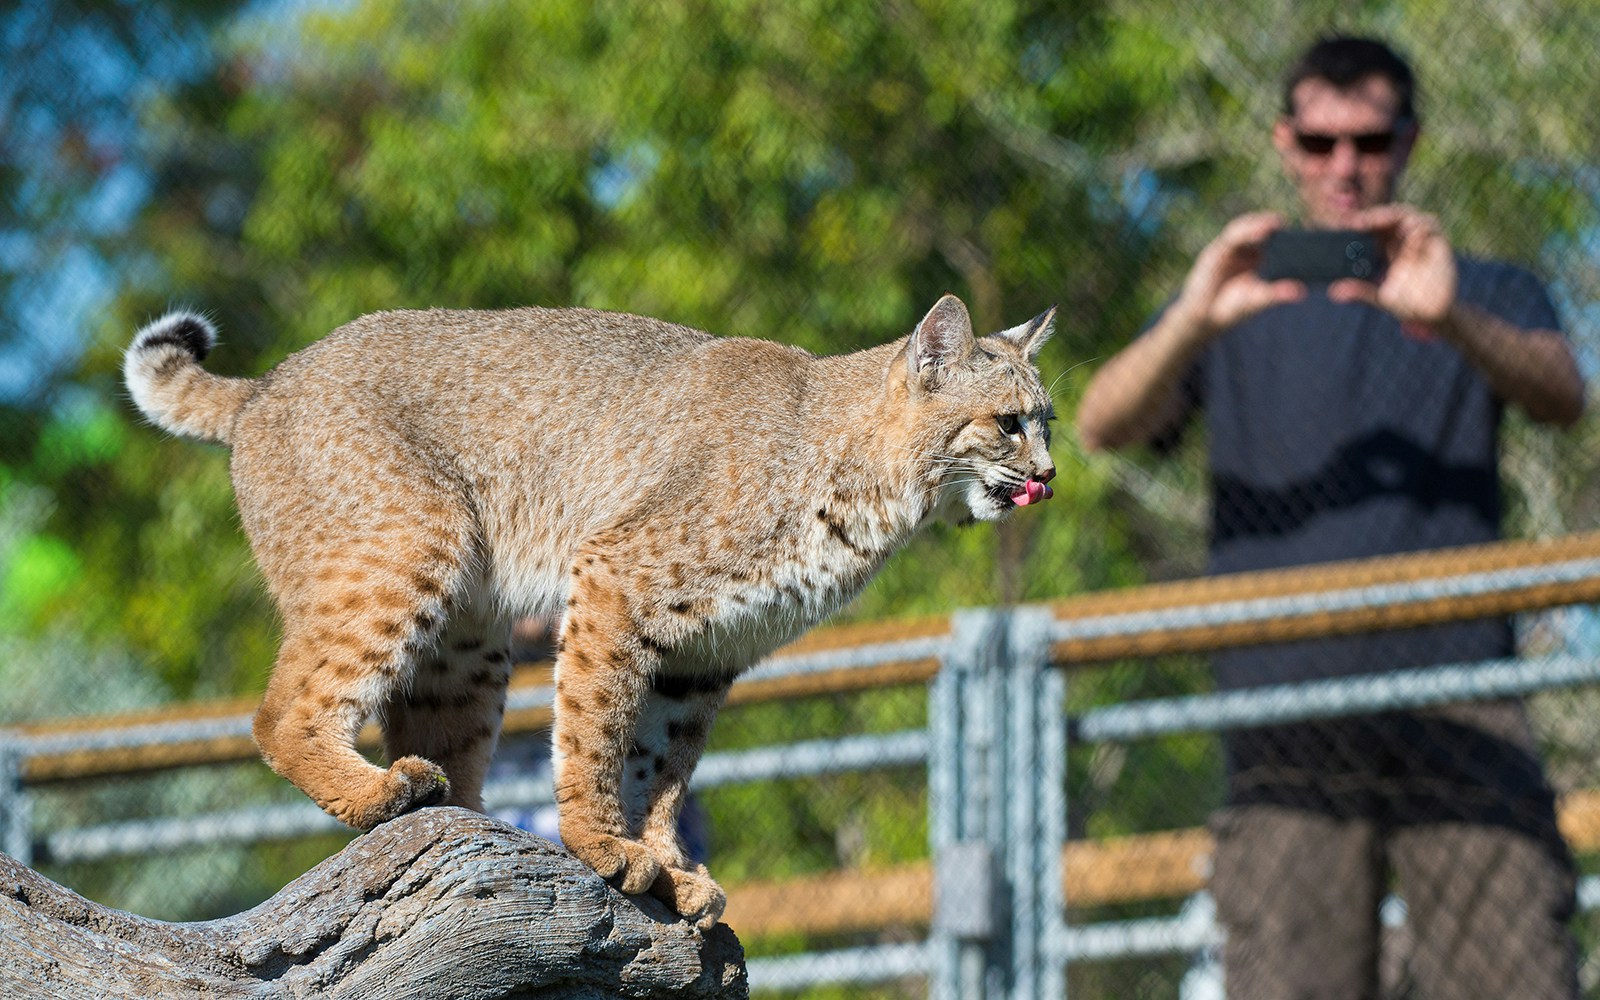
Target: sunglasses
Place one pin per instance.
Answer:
(1368, 143)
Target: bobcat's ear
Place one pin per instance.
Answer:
(1030, 336)
(941, 340)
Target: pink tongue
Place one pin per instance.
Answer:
(1032, 491)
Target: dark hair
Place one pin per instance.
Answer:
(1346, 60)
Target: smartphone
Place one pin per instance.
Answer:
(1318, 256)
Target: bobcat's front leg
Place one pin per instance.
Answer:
(602, 673)
(671, 737)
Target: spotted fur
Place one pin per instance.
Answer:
(415, 481)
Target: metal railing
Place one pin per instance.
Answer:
(995, 747)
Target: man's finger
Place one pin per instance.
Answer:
(1251, 228)
(1353, 290)
(1287, 290)
(1259, 295)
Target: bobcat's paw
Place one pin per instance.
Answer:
(410, 783)
(693, 893)
(624, 863)
(417, 782)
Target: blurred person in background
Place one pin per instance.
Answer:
(1353, 419)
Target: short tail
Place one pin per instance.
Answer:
(163, 373)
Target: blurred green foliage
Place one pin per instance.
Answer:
(816, 172)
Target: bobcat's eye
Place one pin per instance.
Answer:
(1010, 424)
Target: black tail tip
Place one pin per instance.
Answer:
(187, 331)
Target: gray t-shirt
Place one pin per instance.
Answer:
(1335, 434)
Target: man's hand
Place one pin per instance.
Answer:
(1223, 289)
(1134, 397)
(1419, 285)
(1533, 369)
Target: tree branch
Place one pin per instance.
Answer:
(439, 903)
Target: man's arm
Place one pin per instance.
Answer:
(1531, 369)
(1134, 396)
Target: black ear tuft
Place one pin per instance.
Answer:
(1030, 336)
(943, 338)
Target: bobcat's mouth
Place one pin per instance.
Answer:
(1030, 491)
(1002, 498)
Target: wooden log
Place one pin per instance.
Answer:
(440, 903)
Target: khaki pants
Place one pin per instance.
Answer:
(1447, 808)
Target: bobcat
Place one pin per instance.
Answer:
(416, 480)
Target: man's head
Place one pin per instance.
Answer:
(1349, 122)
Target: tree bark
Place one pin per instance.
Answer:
(439, 903)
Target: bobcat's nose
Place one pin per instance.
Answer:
(1047, 475)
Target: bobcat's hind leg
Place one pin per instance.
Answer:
(671, 737)
(353, 632)
(602, 671)
(318, 698)
(450, 713)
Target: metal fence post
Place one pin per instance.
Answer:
(962, 801)
(1037, 747)
(16, 814)
(997, 786)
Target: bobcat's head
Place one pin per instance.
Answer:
(980, 412)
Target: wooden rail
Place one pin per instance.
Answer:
(1327, 578)
(101, 763)
(1436, 565)
(1139, 867)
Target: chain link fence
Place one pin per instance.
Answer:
(815, 173)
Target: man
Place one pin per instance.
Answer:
(1359, 419)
